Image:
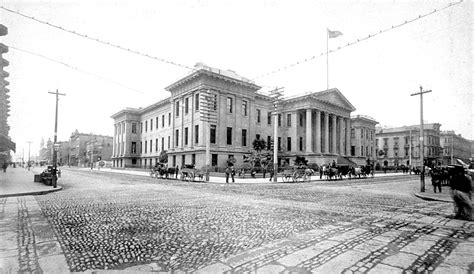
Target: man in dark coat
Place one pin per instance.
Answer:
(461, 189)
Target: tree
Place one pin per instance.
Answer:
(259, 144)
(231, 161)
(163, 158)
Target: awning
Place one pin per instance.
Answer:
(6, 144)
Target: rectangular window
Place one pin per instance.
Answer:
(244, 137)
(279, 120)
(288, 120)
(133, 150)
(352, 133)
(244, 108)
(162, 143)
(169, 142)
(141, 127)
(214, 160)
(156, 122)
(196, 134)
(177, 109)
(279, 143)
(215, 101)
(163, 120)
(151, 146)
(186, 105)
(213, 134)
(196, 101)
(301, 143)
(229, 104)
(183, 160)
(288, 144)
(301, 120)
(169, 119)
(258, 116)
(176, 138)
(134, 128)
(151, 124)
(174, 160)
(156, 144)
(146, 146)
(269, 142)
(185, 136)
(361, 133)
(269, 118)
(362, 151)
(146, 126)
(193, 159)
(229, 135)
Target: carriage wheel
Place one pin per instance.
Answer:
(285, 178)
(152, 174)
(306, 178)
(297, 177)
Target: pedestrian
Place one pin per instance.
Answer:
(264, 170)
(321, 169)
(436, 180)
(461, 190)
(227, 174)
(4, 166)
(176, 171)
(271, 174)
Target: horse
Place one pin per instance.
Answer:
(357, 172)
(331, 172)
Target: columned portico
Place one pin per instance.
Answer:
(348, 136)
(341, 135)
(326, 132)
(309, 148)
(318, 132)
(334, 134)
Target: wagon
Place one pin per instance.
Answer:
(190, 173)
(298, 174)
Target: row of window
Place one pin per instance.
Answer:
(365, 133)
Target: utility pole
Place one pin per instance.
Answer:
(276, 96)
(29, 145)
(55, 148)
(422, 177)
(208, 110)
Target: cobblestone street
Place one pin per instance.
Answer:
(105, 221)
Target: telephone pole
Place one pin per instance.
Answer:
(55, 145)
(208, 110)
(276, 97)
(422, 177)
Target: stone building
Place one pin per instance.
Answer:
(397, 146)
(6, 144)
(315, 125)
(83, 145)
(362, 139)
(454, 147)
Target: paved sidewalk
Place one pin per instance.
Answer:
(430, 195)
(20, 181)
(28, 243)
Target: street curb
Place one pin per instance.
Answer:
(427, 198)
(41, 192)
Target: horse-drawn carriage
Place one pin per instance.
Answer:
(297, 174)
(190, 173)
(162, 171)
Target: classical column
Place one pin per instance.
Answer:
(318, 132)
(326, 132)
(309, 148)
(348, 136)
(294, 134)
(334, 134)
(341, 135)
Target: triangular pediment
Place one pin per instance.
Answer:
(334, 97)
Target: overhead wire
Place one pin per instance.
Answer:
(98, 40)
(75, 68)
(358, 40)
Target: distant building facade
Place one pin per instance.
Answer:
(314, 125)
(83, 146)
(363, 139)
(6, 144)
(401, 145)
(454, 147)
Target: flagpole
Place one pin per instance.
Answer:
(327, 58)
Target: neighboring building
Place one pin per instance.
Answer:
(393, 145)
(454, 147)
(63, 153)
(314, 125)
(46, 152)
(362, 139)
(82, 144)
(6, 144)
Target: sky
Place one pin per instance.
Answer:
(252, 38)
